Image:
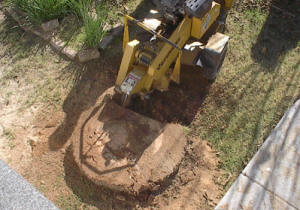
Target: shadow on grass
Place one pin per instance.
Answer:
(71, 32)
(275, 154)
(280, 33)
(89, 193)
(17, 47)
(248, 122)
(83, 95)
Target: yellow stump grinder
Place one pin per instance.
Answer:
(126, 151)
(180, 32)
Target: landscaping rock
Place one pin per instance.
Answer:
(57, 44)
(105, 41)
(87, 55)
(41, 33)
(50, 25)
(118, 28)
(70, 53)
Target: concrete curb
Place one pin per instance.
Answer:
(16, 193)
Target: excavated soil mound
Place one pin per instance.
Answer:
(125, 151)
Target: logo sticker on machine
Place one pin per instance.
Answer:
(207, 20)
(130, 82)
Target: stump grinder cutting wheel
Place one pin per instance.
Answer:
(126, 151)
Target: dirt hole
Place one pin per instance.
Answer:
(180, 103)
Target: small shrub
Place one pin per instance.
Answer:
(42, 10)
(77, 6)
(94, 26)
(93, 17)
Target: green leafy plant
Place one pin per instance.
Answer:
(94, 17)
(77, 7)
(92, 14)
(94, 25)
(42, 10)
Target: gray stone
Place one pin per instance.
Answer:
(117, 29)
(70, 53)
(40, 33)
(246, 194)
(50, 25)
(16, 193)
(87, 55)
(57, 44)
(105, 41)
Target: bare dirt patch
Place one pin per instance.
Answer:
(193, 187)
(125, 151)
(58, 176)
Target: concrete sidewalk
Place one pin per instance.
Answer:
(271, 180)
(16, 193)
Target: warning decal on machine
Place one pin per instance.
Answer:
(207, 20)
(130, 82)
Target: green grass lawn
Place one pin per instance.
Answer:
(260, 80)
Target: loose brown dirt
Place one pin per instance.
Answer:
(57, 175)
(191, 186)
(194, 187)
(180, 103)
(125, 151)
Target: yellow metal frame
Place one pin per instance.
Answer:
(201, 25)
(228, 4)
(158, 75)
(127, 61)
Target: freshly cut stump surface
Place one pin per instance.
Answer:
(125, 151)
